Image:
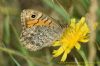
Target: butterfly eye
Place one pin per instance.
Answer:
(33, 16)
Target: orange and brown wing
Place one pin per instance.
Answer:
(42, 22)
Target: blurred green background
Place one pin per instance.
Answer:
(13, 54)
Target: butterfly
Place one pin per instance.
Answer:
(38, 30)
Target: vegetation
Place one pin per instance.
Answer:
(12, 53)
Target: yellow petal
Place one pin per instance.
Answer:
(77, 46)
(82, 20)
(65, 55)
(80, 23)
(58, 52)
(56, 43)
(84, 40)
(72, 23)
(54, 51)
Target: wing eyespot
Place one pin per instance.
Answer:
(33, 16)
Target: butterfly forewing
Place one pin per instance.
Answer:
(38, 31)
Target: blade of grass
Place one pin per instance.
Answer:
(48, 57)
(85, 3)
(14, 60)
(77, 62)
(81, 52)
(6, 28)
(11, 56)
(35, 60)
(58, 9)
(98, 61)
(23, 50)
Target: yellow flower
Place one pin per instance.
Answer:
(75, 33)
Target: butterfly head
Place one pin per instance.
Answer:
(29, 15)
